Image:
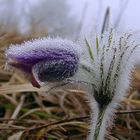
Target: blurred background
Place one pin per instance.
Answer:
(123, 13)
(67, 18)
(61, 113)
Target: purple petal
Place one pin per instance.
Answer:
(23, 67)
(36, 55)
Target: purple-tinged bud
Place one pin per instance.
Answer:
(45, 60)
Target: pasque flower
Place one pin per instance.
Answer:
(45, 60)
(111, 61)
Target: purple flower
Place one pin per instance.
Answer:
(45, 60)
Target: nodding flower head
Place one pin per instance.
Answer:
(45, 60)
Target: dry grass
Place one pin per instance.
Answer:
(28, 113)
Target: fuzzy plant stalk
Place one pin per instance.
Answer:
(108, 69)
(112, 62)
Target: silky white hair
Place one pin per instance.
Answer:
(114, 60)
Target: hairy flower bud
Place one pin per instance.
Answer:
(45, 60)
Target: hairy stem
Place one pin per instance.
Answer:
(99, 123)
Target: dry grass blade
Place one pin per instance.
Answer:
(18, 108)
(16, 136)
(19, 88)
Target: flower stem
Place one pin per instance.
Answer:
(99, 123)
